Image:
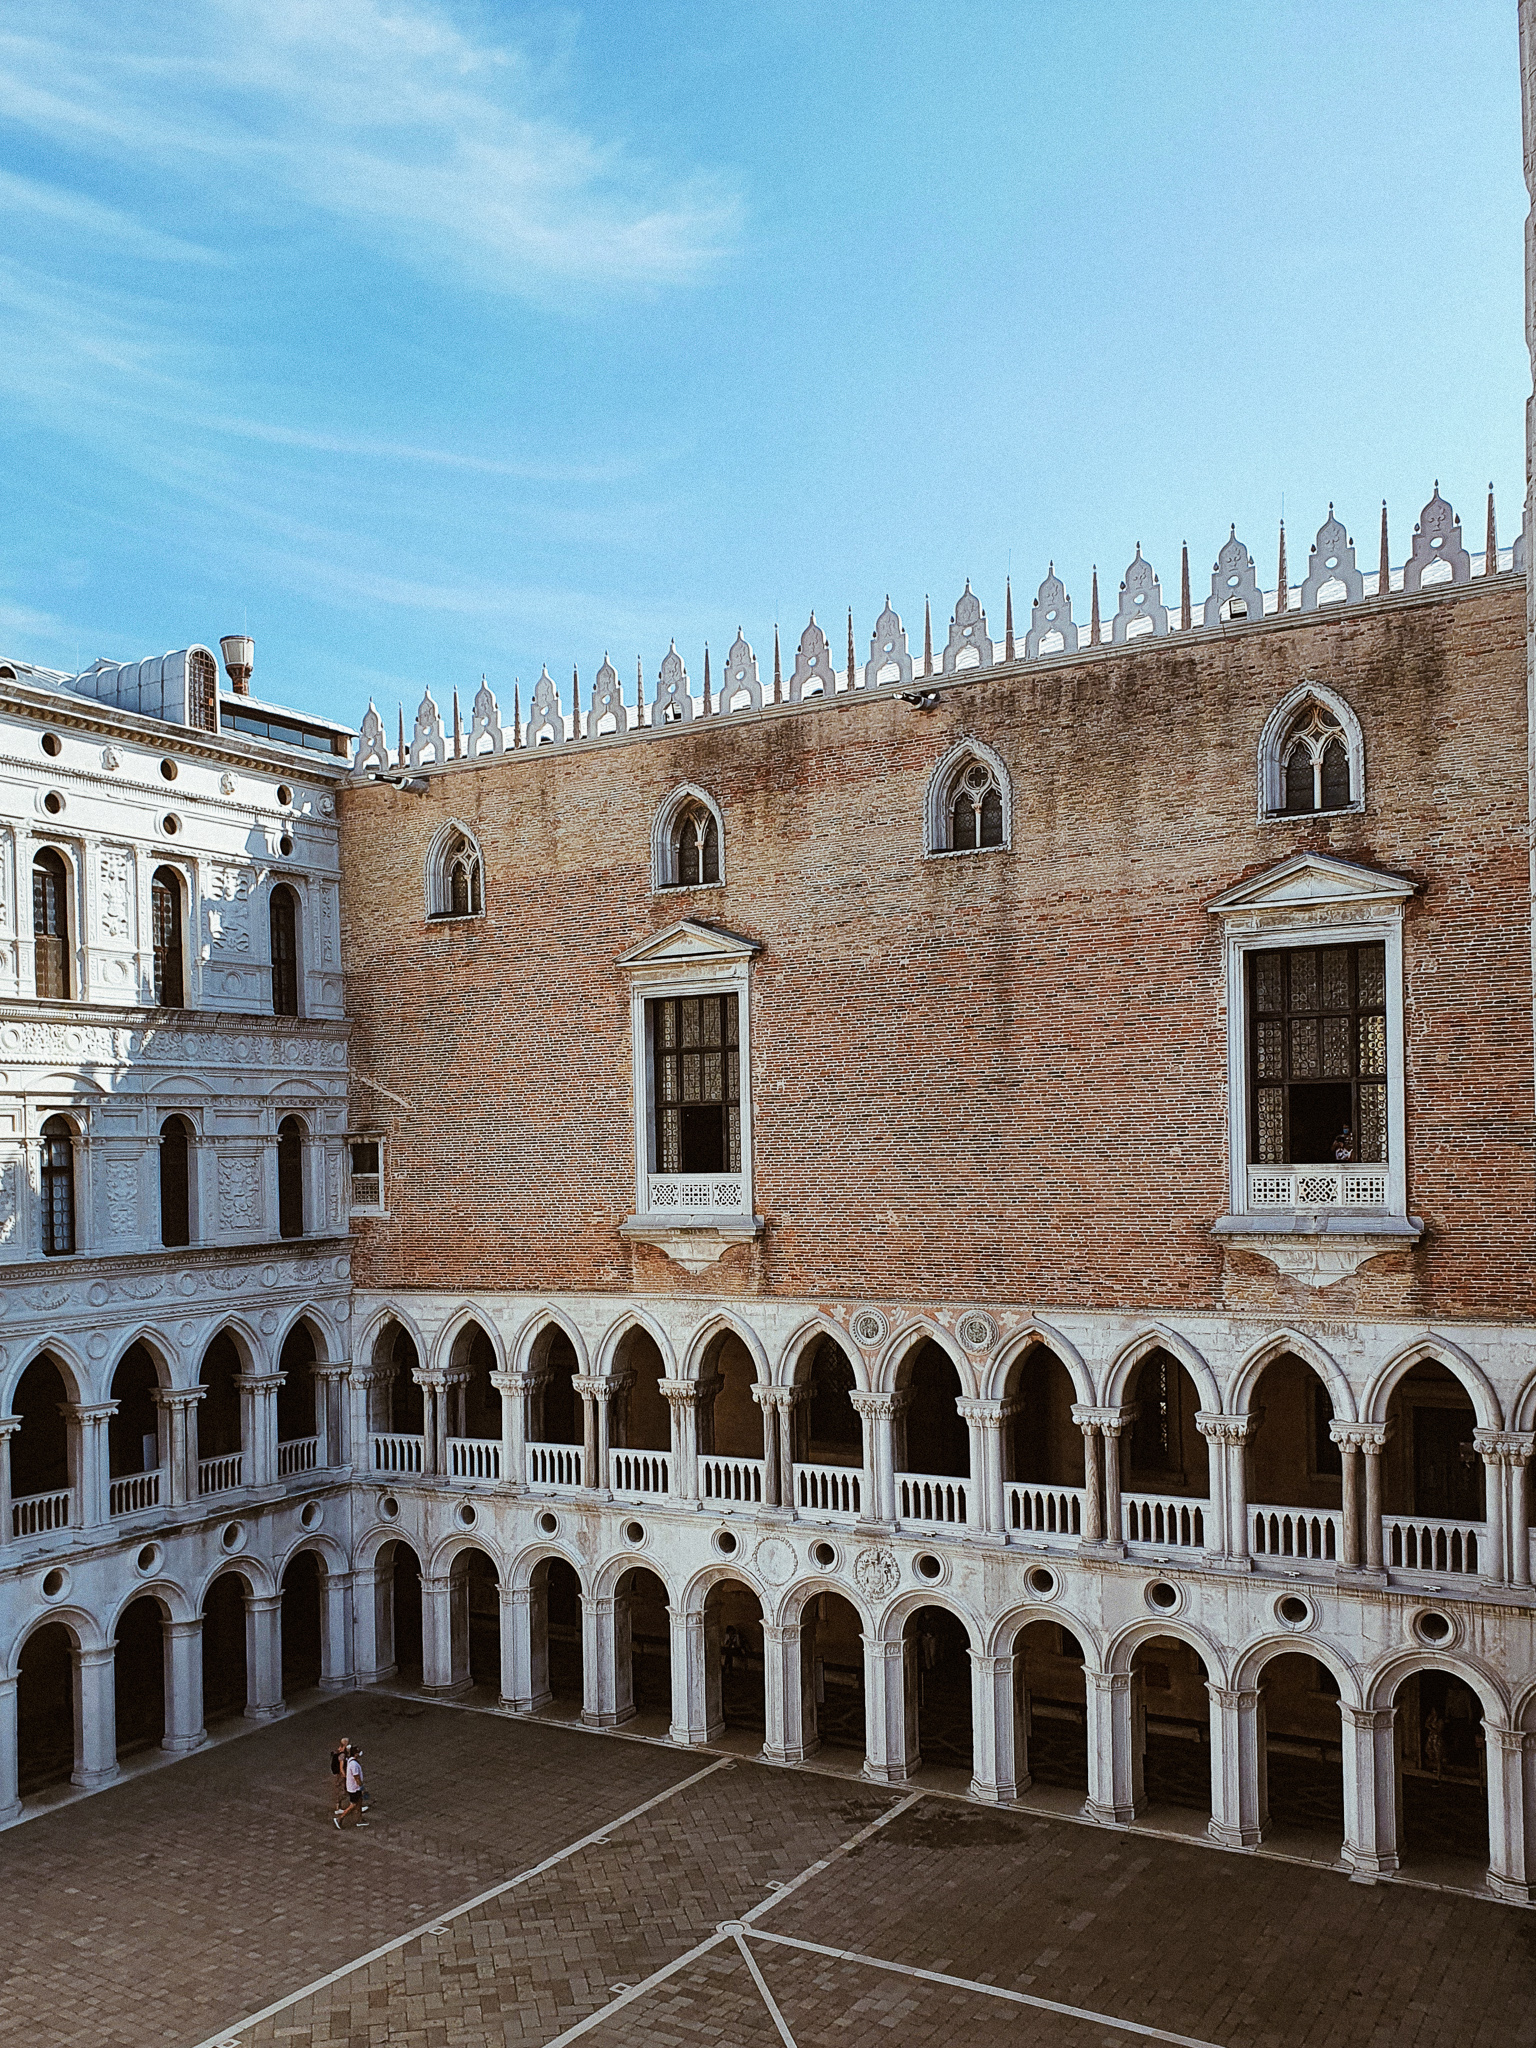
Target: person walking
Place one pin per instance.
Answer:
(339, 1774)
(351, 1815)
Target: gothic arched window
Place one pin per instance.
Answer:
(696, 847)
(454, 876)
(969, 802)
(1311, 756)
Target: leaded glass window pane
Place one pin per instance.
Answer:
(963, 835)
(696, 1060)
(1317, 1051)
(1335, 777)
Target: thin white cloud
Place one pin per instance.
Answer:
(406, 121)
(55, 208)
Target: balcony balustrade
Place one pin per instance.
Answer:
(131, 1495)
(36, 1513)
(554, 1468)
(1315, 1535)
(220, 1475)
(930, 1503)
(391, 1453)
(1163, 1521)
(474, 1457)
(1050, 1514)
(829, 1493)
(639, 1475)
(299, 1454)
(731, 1482)
(1414, 1543)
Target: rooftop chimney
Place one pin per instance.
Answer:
(239, 651)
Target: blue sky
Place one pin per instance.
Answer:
(429, 338)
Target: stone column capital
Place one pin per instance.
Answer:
(9, 1424)
(88, 1411)
(92, 1660)
(591, 1387)
(1511, 1446)
(882, 1652)
(880, 1407)
(263, 1603)
(785, 1636)
(1109, 1421)
(1235, 1701)
(260, 1382)
(776, 1398)
(515, 1383)
(992, 1667)
(332, 1372)
(1108, 1683)
(1511, 1741)
(181, 1630)
(1367, 1720)
(442, 1584)
(679, 1393)
(1225, 1429)
(985, 1414)
(172, 1398)
(1370, 1437)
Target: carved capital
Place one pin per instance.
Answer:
(879, 1407)
(985, 1414)
(1370, 1437)
(776, 1398)
(1508, 1446)
(679, 1393)
(178, 1397)
(1225, 1429)
(515, 1383)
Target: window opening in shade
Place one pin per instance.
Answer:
(1315, 765)
(285, 953)
(58, 1186)
(165, 918)
(976, 811)
(458, 892)
(50, 925)
(696, 848)
(697, 1079)
(367, 1174)
(175, 1198)
(1317, 1055)
(290, 1178)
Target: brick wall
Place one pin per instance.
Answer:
(999, 1078)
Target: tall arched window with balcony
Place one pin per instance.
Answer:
(165, 919)
(175, 1181)
(290, 1178)
(284, 917)
(58, 1186)
(50, 925)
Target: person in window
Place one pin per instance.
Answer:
(1344, 1146)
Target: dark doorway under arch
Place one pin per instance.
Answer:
(1303, 1747)
(1176, 1724)
(650, 1643)
(45, 1709)
(936, 1668)
(405, 1612)
(302, 1595)
(562, 1629)
(225, 1682)
(139, 1677)
(1443, 1769)
(1049, 1688)
(831, 1639)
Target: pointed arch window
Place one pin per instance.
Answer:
(969, 802)
(50, 925)
(455, 877)
(688, 842)
(58, 1185)
(1311, 757)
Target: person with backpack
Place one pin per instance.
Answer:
(352, 1813)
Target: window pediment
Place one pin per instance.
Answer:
(1314, 883)
(688, 945)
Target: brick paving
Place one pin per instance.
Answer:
(163, 1911)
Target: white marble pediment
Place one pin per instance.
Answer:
(689, 944)
(1314, 881)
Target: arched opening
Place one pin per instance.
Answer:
(165, 927)
(932, 1443)
(1443, 1772)
(133, 1433)
(696, 847)
(175, 1181)
(733, 1645)
(456, 885)
(556, 1406)
(297, 1405)
(557, 1591)
(283, 917)
(471, 1363)
(39, 1449)
(50, 925)
(1172, 1710)
(1302, 1751)
(650, 1646)
(395, 1403)
(139, 1677)
(302, 1595)
(1051, 1696)
(58, 1186)
(1294, 1467)
(219, 1417)
(828, 1435)
(290, 1178)
(1166, 1456)
(225, 1673)
(642, 1420)
(730, 1423)
(1432, 1476)
(832, 1674)
(475, 1608)
(45, 1709)
(975, 809)
(936, 1670)
(1043, 1448)
(398, 1612)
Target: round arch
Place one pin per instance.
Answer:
(1250, 1661)
(797, 1352)
(1005, 1631)
(529, 1332)
(897, 1358)
(1123, 1646)
(607, 1576)
(617, 1331)
(796, 1596)
(1383, 1680)
(525, 1563)
(1434, 1351)
(698, 1588)
(1294, 1343)
(995, 1377)
(376, 1538)
(174, 1601)
(255, 1571)
(720, 1325)
(333, 1559)
(440, 1561)
(80, 1626)
(1158, 1338)
(893, 1618)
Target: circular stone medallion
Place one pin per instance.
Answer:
(877, 1572)
(776, 1560)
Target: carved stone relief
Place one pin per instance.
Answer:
(114, 894)
(121, 1183)
(814, 675)
(239, 1193)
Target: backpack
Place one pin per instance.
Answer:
(335, 1763)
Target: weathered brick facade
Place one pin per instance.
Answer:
(998, 1078)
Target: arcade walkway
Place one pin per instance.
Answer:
(172, 1910)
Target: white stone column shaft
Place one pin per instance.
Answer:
(10, 1758)
(263, 1656)
(95, 1680)
(1237, 1791)
(1510, 1872)
(1372, 1795)
(997, 1772)
(337, 1671)
(890, 1733)
(183, 1685)
(1114, 1748)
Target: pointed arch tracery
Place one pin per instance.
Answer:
(454, 874)
(1311, 756)
(969, 804)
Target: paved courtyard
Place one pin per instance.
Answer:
(529, 1883)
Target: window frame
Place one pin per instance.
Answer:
(944, 787)
(354, 1207)
(298, 1192)
(72, 1140)
(189, 1206)
(67, 888)
(1272, 748)
(1312, 900)
(183, 949)
(281, 882)
(664, 837)
(437, 895)
(686, 960)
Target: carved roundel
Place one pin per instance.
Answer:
(976, 1331)
(776, 1560)
(869, 1327)
(876, 1572)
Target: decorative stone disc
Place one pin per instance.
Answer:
(775, 1560)
(876, 1572)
